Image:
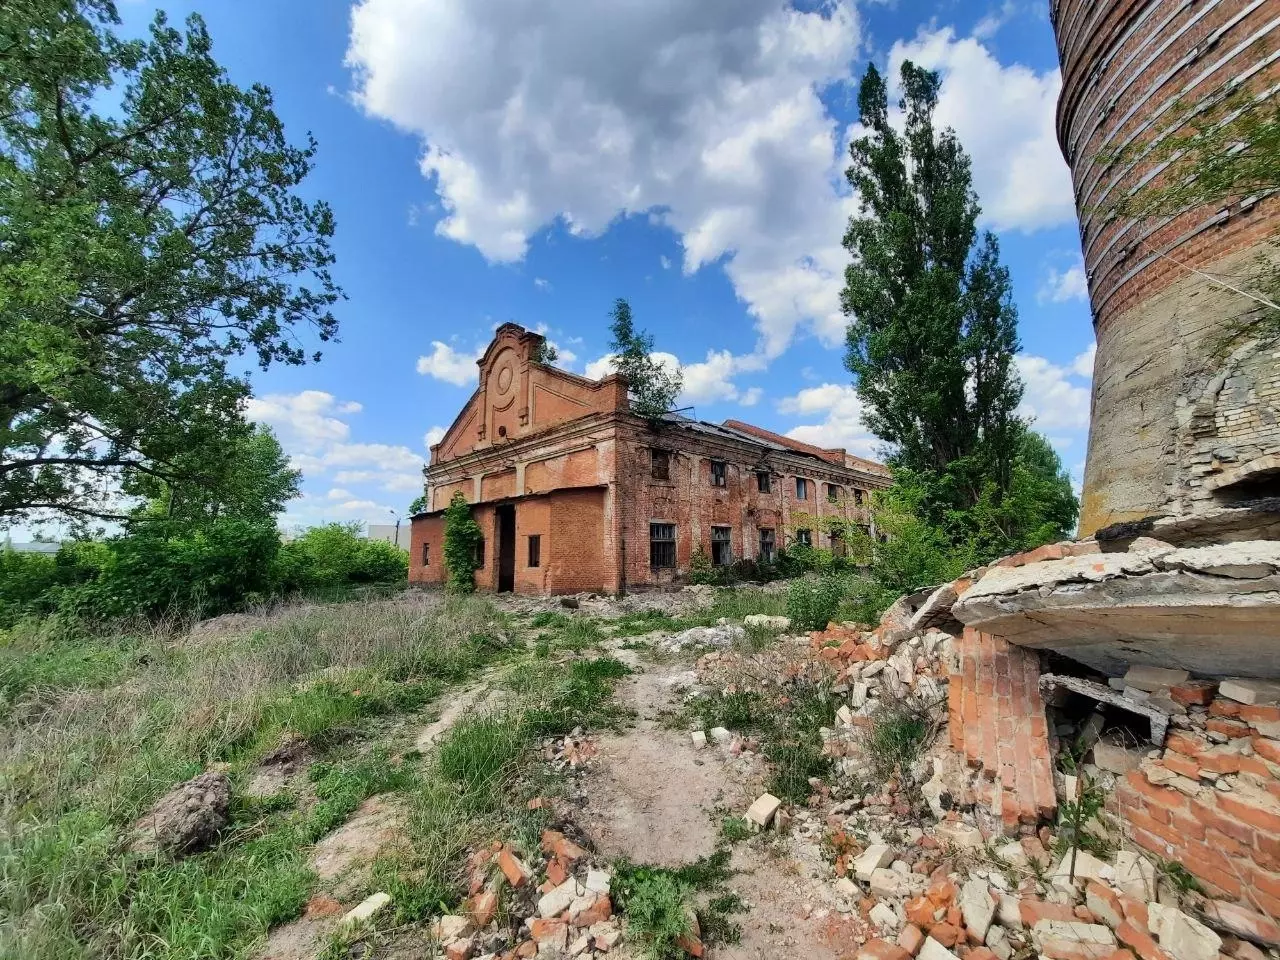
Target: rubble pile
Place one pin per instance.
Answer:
(557, 904)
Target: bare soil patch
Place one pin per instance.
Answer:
(655, 798)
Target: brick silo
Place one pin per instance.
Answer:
(1186, 395)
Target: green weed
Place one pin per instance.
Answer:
(898, 735)
(735, 829)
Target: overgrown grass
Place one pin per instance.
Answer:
(80, 761)
(786, 724)
(660, 903)
(477, 787)
(899, 733)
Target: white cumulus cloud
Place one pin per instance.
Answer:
(1004, 116)
(1064, 286)
(433, 436)
(708, 116)
(450, 365)
(706, 381)
(838, 413)
(1050, 397)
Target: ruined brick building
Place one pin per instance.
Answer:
(574, 492)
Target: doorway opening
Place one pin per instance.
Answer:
(506, 548)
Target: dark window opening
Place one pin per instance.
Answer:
(804, 537)
(719, 473)
(838, 547)
(721, 546)
(662, 546)
(480, 554)
(426, 554)
(768, 545)
(764, 482)
(802, 488)
(660, 464)
(535, 549)
(834, 492)
(857, 496)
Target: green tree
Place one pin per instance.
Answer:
(933, 329)
(546, 353)
(247, 476)
(653, 388)
(150, 234)
(462, 536)
(419, 504)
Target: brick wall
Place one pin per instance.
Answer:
(428, 531)
(690, 501)
(1212, 800)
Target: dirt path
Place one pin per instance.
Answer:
(655, 798)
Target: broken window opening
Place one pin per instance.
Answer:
(479, 554)
(535, 550)
(426, 554)
(660, 464)
(802, 488)
(764, 481)
(838, 547)
(719, 473)
(768, 545)
(721, 546)
(857, 497)
(834, 492)
(662, 546)
(804, 538)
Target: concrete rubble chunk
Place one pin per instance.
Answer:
(961, 835)
(1009, 912)
(699, 738)
(1134, 876)
(1183, 937)
(888, 883)
(366, 909)
(977, 907)
(1152, 679)
(1073, 932)
(872, 859)
(1087, 867)
(556, 901)
(997, 941)
(884, 917)
(766, 621)
(721, 735)
(451, 927)
(933, 950)
(1250, 692)
(1244, 923)
(1116, 758)
(761, 813)
(598, 881)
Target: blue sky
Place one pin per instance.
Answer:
(494, 160)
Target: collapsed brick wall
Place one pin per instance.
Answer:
(996, 718)
(1211, 801)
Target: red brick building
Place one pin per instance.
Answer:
(574, 492)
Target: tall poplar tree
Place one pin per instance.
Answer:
(933, 330)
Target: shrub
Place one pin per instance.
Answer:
(700, 568)
(336, 556)
(462, 537)
(657, 916)
(812, 602)
(161, 568)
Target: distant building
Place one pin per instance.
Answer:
(574, 492)
(390, 532)
(33, 546)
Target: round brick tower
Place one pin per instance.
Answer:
(1186, 403)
